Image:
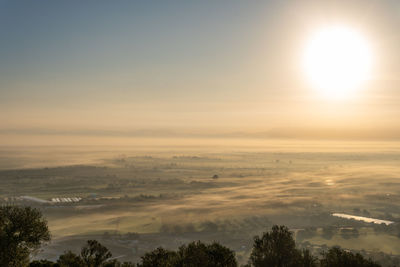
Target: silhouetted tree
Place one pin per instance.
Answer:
(43, 263)
(95, 254)
(116, 263)
(221, 255)
(276, 248)
(159, 258)
(207, 255)
(307, 259)
(337, 257)
(128, 264)
(70, 259)
(195, 254)
(22, 230)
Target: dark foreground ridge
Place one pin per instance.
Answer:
(23, 230)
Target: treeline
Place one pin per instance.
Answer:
(23, 230)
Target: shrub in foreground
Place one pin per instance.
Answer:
(22, 230)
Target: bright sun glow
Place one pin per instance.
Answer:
(337, 61)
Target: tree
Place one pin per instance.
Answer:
(159, 258)
(221, 255)
(70, 259)
(22, 230)
(337, 257)
(195, 254)
(116, 263)
(208, 255)
(43, 263)
(95, 254)
(128, 264)
(307, 259)
(276, 248)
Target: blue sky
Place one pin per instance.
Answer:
(222, 65)
(65, 40)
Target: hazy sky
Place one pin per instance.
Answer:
(187, 68)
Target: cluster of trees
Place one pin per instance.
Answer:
(23, 229)
(277, 248)
(93, 254)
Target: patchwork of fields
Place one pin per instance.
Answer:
(226, 194)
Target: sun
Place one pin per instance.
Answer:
(337, 61)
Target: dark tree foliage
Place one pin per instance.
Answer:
(22, 230)
(337, 257)
(115, 263)
(276, 248)
(127, 264)
(70, 259)
(159, 257)
(207, 255)
(43, 263)
(195, 254)
(221, 255)
(307, 259)
(198, 254)
(95, 254)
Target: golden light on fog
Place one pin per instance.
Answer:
(337, 61)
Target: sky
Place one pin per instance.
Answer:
(79, 72)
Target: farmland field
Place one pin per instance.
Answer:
(135, 199)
